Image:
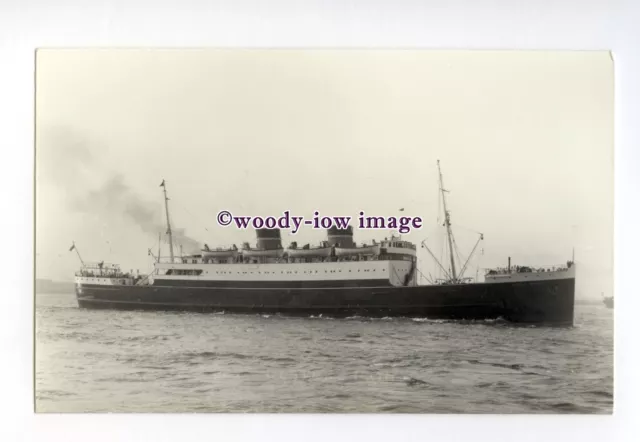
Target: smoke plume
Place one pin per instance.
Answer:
(66, 161)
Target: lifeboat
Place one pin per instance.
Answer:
(262, 253)
(304, 253)
(354, 251)
(220, 253)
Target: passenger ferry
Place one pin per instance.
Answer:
(336, 277)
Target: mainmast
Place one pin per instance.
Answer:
(447, 223)
(166, 208)
(452, 277)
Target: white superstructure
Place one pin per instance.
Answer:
(394, 272)
(104, 274)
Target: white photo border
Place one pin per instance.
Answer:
(455, 24)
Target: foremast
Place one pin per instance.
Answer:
(166, 209)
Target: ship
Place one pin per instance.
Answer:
(336, 278)
(607, 300)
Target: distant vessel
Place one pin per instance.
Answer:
(336, 278)
(607, 300)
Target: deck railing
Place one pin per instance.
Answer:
(528, 269)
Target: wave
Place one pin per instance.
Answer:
(188, 356)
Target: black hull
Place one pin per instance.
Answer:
(548, 302)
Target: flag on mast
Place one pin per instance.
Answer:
(73, 246)
(162, 184)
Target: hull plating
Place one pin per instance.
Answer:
(537, 302)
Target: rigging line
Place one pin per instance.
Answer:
(439, 204)
(424, 244)
(418, 273)
(457, 249)
(463, 265)
(145, 278)
(466, 262)
(441, 255)
(465, 228)
(156, 243)
(471, 255)
(423, 275)
(193, 217)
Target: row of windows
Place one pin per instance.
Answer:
(387, 257)
(401, 245)
(395, 257)
(199, 272)
(190, 272)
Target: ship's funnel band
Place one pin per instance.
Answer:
(341, 237)
(268, 233)
(268, 239)
(335, 231)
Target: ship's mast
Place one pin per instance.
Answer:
(159, 245)
(166, 208)
(447, 223)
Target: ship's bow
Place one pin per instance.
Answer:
(543, 302)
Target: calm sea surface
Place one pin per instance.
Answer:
(110, 361)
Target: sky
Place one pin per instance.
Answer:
(524, 139)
